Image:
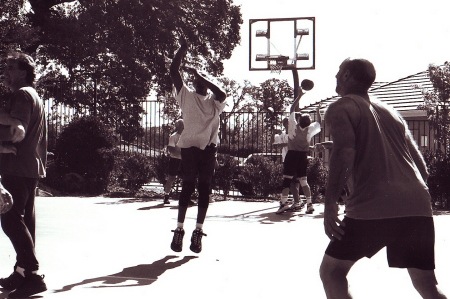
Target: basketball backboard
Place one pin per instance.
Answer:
(286, 43)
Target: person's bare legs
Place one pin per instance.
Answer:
(333, 273)
(294, 190)
(425, 283)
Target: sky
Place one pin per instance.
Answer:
(400, 38)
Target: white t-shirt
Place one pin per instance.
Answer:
(279, 139)
(173, 142)
(201, 118)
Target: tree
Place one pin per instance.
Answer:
(120, 49)
(16, 32)
(436, 104)
(272, 97)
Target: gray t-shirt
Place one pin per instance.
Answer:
(31, 159)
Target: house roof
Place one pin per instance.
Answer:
(404, 94)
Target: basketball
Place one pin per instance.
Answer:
(307, 84)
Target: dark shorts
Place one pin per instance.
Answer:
(295, 164)
(409, 241)
(174, 166)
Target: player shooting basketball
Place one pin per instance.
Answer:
(198, 143)
(296, 162)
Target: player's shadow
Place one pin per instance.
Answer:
(270, 218)
(158, 206)
(139, 275)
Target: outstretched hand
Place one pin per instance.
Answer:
(332, 222)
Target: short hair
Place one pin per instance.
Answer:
(305, 120)
(24, 62)
(285, 121)
(361, 70)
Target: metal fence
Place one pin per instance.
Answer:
(241, 133)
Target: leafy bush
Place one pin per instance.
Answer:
(84, 147)
(264, 175)
(161, 168)
(131, 170)
(227, 168)
(317, 176)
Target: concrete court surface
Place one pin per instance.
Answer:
(99, 247)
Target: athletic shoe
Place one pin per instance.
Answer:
(196, 240)
(309, 208)
(303, 204)
(283, 207)
(177, 241)
(12, 282)
(32, 285)
(296, 207)
(166, 199)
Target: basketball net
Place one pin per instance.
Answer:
(275, 68)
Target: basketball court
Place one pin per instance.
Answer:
(120, 248)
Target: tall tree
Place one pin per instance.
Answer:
(272, 97)
(122, 48)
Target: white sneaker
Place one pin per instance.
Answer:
(296, 206)
(309, 208)
(283, 207)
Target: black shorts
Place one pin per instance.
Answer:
(295, 164)
(409, 241)
(174, 166)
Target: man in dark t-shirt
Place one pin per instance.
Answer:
(21, 171)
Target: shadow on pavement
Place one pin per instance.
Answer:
(158, 206)
(129, 200)
(140, 275)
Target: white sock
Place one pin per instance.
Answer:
(180, 225)
(309, 200)
(199, 225)
(284, 199)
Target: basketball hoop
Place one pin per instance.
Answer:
(275, 68)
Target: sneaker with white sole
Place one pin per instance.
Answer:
(309, 208)
(296, 206)
(283, 207)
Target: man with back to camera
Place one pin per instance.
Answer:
(200, 113)
(389, 205)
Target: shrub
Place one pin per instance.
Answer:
(439, 176)
(85, 147)
(317, 176)
(264, 175)
(131, 170)
(225, 171)
(161, 168)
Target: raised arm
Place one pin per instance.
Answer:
(219, 93)
(295, 106)
(319, 117)
(174, 70)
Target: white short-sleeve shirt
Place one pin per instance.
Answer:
(201, 118)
